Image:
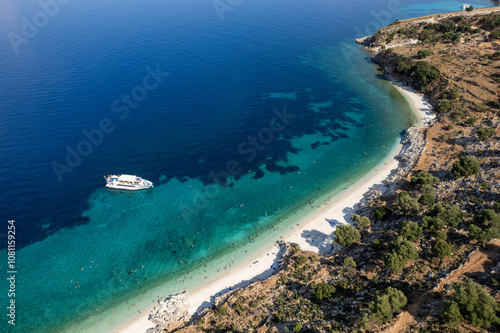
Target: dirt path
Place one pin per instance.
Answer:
(476, 263)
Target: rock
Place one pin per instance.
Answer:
(173, 312)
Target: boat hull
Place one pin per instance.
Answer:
(127, 187)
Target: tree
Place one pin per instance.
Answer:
(476, 305)
(466, 166)
(382, 213)
(397, 298)
(298, 327)
(485, 133)
(455, 93)
(424, 178)
(349, 262)
(486, 226)
(424, 73)
(496, 207)
(451, 315)
(402, 251)
(346, 235)
(393, 300)
(322, 291)
(441, 215)
(444, 105)
(469, 8)
(411, 231)
(424, 53)
(361, 222)
(427, 199)
(441, 249)
(406, 204)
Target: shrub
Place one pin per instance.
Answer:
(471, 121)
(361, 222)
(466, 166)
(469, 8)
(476, 305)
(424, 73)
(402, 251)
(393, 300)
(424, 53)
(298, 327)
(349, 262)
(444, 105)
(382, 213)
(441, 249)
(455, 93)
(441, 215)
(406, 204)
(495, 34)
(346, 235)
(496, 207)
(376, 244)
(411, 231)
(424, 178)
(486, 226)
(451, 315)
(427, 199)
(222, 310)
(485, 133)
(323, 290)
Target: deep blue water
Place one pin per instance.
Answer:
(225, 78)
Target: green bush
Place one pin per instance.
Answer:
(466, 166)
(424, 53)
(323, 291)
(298, 327)
(382, 213)
(476, 305)
(411, 231)
(443, 105)
(424, 73)
(402, 251)
(222, 310)
(485, 133)
(471, 121)
(349, 262)
(495, 34)
(496, 207)
(424, 178)
(455, 93)
(441, 249)
(406, 204)
(427, 199)
(441, 215)
(361, 222)
(393, 300)
(346, 235)
(486, 226)
(451, 315)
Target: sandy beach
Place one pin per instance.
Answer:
(315, 233)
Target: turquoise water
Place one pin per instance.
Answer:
(82, 247)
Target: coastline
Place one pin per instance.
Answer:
(314, 232)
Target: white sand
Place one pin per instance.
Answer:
(313, 234)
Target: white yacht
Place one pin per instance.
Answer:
(127, 182)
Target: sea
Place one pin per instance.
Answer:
(240, 112)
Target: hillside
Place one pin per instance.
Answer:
(425, 258)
